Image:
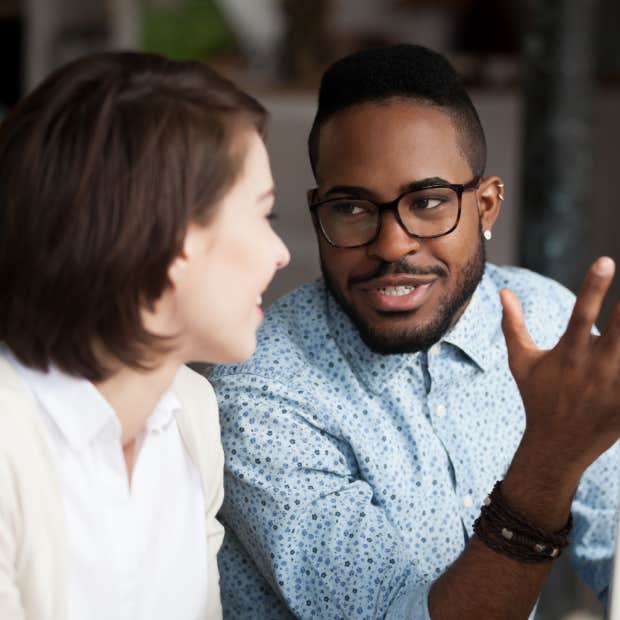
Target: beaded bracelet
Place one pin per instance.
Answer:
(507, 532)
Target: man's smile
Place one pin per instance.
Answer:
(396, 293)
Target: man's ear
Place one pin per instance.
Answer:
(490, 195)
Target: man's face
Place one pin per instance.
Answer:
(402, 293)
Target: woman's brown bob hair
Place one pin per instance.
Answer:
(102, 168)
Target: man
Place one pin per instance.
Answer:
(379, 411)
(614, 610)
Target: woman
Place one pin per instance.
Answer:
(135, 198)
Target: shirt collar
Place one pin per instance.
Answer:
(473, 334)
(374, 369)
(165, 410)
(79, 410)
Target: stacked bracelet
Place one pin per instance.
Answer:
(511, 534)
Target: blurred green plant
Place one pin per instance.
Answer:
(190, 29)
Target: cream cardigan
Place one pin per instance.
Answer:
(33, 547)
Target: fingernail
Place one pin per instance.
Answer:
(603, 266)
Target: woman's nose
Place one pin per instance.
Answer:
(283, 256)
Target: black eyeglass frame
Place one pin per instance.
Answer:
(392, 205)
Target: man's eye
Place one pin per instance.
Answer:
(423, 204)
(349, 208)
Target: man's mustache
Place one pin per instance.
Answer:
(402, 267)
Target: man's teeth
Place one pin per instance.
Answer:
(396, 291)
(259, 300)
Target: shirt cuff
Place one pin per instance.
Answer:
(411, 604)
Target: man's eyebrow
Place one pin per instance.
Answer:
(422, 183)
(348, 190)
(363, 192)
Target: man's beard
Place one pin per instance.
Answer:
(419, 337)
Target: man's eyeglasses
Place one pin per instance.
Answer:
(424, 213)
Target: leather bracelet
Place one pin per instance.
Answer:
(506, 531)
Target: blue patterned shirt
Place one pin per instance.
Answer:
(353, 479)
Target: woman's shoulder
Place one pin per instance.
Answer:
(194, 390)
(199, 426)
(26, 472)
(18, 421)
(198, 402)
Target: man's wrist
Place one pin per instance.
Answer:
(541, 486)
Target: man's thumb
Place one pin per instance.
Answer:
(518, 340)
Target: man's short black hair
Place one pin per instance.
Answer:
(409, 72)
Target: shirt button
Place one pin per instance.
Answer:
(440, 411)
(434, 349)
(468, 502)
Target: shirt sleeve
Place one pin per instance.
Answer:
(595, 516)
(296, 503)
(596, 501)
(11, 607)
(215, 536)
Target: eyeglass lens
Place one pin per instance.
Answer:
(425, 213)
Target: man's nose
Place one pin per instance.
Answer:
(393, 241)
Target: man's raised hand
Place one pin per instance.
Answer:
(571, 393)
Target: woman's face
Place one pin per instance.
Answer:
(226, 266)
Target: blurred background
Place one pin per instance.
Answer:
(544, 75)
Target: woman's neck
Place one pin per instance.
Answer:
(133, 395)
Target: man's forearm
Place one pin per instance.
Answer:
(483, 583)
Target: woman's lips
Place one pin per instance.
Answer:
(399, 298)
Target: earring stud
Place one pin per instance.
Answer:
(488, 235)
(500, 196)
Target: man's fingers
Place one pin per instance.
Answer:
(610, 342)
(588, 304)
(518, 340)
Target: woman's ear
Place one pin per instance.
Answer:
(177, 269)
(490, 197)
(179, 265)
(198, 240)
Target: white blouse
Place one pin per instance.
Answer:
(135, 552)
